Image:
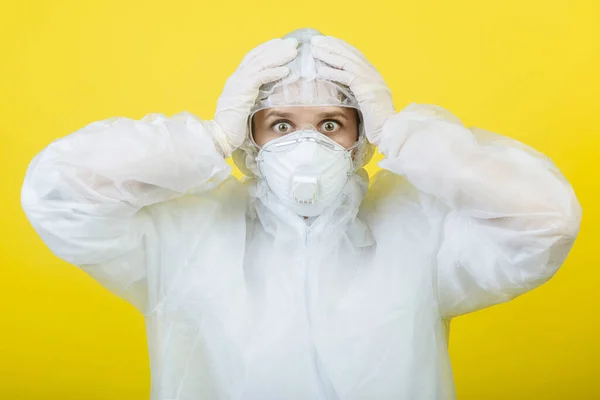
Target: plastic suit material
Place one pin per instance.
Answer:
(244, 299)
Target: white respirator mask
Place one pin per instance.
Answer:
(306, 170)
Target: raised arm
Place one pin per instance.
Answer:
(85, 193)
(512, 216)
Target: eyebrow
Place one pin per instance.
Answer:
(332, 114)
(325, 114)
(278, 114)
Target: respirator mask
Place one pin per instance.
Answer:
(306, 170)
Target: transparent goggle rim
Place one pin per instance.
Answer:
(285, 93)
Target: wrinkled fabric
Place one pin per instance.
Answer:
(243, 299)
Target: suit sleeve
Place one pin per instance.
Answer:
(512, 219)
(86, 194)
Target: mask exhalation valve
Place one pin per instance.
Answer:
(304, 189)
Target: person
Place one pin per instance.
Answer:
(302, 281)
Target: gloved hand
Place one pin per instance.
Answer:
(261, 65)
(352, 69)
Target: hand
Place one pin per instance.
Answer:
(352, 69)
(261, 65)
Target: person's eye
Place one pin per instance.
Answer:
(282, 127)
(331, 126)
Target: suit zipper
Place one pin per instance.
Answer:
(307, 298)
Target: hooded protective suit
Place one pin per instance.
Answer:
(244, 299)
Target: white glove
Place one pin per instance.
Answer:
(351, 68)
(261, 65)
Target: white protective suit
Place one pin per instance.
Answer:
(243, 299)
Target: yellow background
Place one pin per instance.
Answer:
(526, 69)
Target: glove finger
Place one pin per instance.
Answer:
(336, 61)
(272, 46)
(269, 75)
(341, 48)
(344, 77)
(251, 55)
(272, 59)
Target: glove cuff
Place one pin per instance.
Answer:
(220, 138)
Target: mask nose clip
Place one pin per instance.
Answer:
(309, 127)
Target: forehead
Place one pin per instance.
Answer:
(307, 112)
